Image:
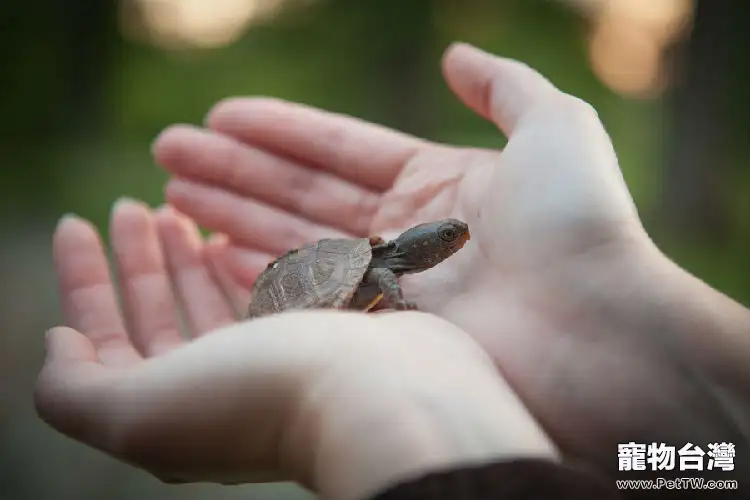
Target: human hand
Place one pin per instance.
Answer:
(560, 283)
(343, 403)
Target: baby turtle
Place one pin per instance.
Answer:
(354, 273)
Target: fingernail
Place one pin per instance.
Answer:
(119, 204)
(127, 203)
(217, 239)
(463, 45)
(481, 55)
(163, 209)
(66, 218)
(126, 200)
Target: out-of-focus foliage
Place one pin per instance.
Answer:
(85, 90)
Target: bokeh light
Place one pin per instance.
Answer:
(184, 24)
(628, 41)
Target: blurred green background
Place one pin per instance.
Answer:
(87, 85)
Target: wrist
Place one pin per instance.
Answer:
(361, 445)
(706, 329)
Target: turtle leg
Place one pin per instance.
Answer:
(392, 293)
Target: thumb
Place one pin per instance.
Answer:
(499, 89)
(62, 396)
(68, 346)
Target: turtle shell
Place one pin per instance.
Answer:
(324, 274)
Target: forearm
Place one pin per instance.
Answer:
(706, 329)
(681, 350)
(713, 328)
(705, 337)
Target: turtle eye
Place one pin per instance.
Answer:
(448, 234)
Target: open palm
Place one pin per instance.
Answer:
(556, 240)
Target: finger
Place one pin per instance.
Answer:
(236, 284)
(312, 193)
(147, 294)
(364, 153)
(250, 222)
(200, 295)
(244, 264)
(88, 297)
(499, 89)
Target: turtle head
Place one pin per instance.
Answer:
(427, 245)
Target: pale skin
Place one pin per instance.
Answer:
(295, 396)
(602, 337)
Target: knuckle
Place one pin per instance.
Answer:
(363, 211)
(297, 186)
(225, 159)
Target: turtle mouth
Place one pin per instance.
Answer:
(463, 239)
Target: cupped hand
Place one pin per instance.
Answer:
(296, 396)
(557, 256)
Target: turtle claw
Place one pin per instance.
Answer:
(406, 305)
